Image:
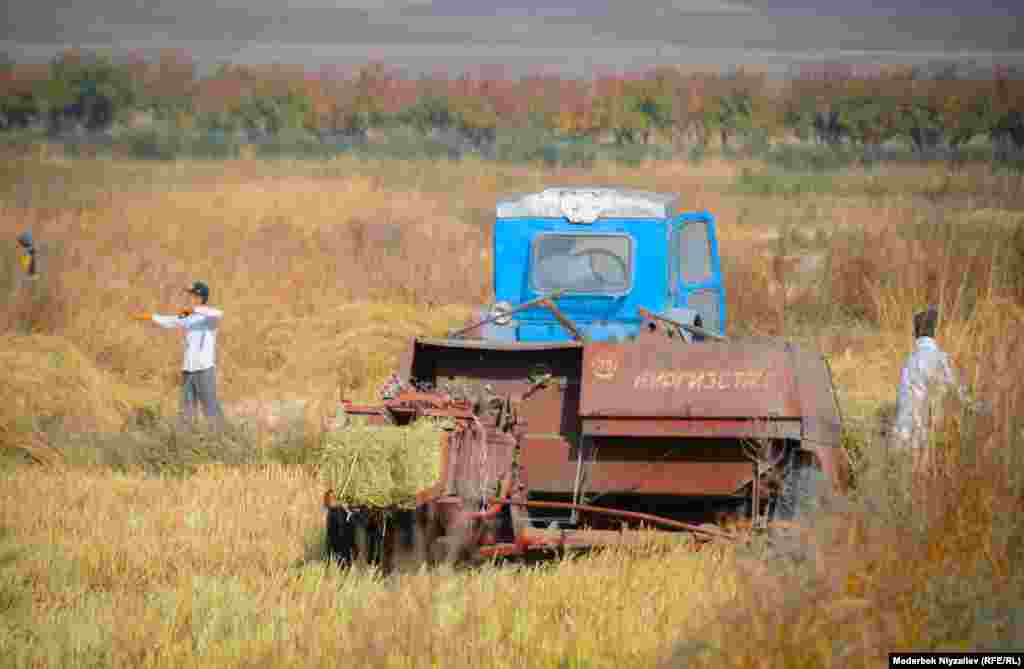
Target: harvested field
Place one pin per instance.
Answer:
(132, 545)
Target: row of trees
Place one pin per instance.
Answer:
(82, 90)
(929, 113)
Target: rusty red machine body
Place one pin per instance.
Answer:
(561, 445)
(610, 397)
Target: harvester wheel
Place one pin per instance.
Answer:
(450, 548)
(801, 490)
(393, 542)
(341, 534)
(353, 536)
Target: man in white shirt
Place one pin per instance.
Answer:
(199, 380)
(924, 381)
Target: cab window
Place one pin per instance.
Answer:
(695, 252)
(599, 264)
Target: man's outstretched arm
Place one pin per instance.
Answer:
(194, 319)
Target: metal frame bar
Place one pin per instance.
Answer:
(563, 320)
(493, 317)
(689, 328)
(496, 505)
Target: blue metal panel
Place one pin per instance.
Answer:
(501, 333)
(605, 331)
(595, 331)
(511, 257)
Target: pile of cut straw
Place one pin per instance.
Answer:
(47, 378)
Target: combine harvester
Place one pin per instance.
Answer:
(600, 392)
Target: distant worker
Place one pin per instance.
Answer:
(925, 380)
(199, 380)
(27, 256)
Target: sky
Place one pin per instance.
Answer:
(563, 36)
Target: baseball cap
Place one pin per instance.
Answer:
(199, 288)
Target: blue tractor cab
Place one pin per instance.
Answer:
(603, 254)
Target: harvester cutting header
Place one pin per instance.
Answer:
(600, 390)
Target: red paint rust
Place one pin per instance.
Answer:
(551, 466)
(684, 427)
(666, 378)
(500, 550)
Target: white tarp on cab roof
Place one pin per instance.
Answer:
(589, 203)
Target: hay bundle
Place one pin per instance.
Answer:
(382, 466)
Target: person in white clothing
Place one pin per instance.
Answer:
(925, 380)
(199, 321)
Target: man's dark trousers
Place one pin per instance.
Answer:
(200, 388)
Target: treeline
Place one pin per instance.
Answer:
(87, 93)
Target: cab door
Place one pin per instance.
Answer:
(697, 274)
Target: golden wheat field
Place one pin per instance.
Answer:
(111, 555)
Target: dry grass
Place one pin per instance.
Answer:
(47, 378)
(326, 269)
(909, 561)
(210, 571)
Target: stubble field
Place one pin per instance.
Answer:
(123, 547)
